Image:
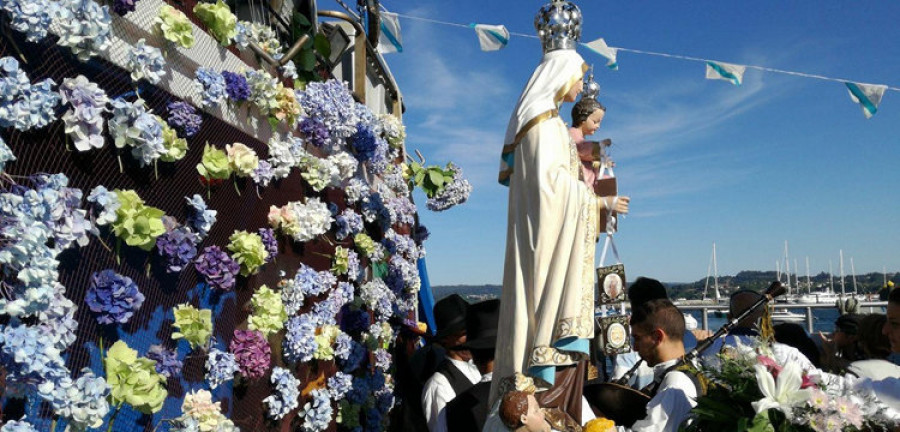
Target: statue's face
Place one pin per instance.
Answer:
(592, 123)
(533, 420)
(574, 91)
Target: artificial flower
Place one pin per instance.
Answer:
(242, 159)
(247, 249)
(269, 314)
(251, 352)
(194, 325)
(174, 26)
(222, 24)
(139, 225)
(134, 380)
(286, 396)
(217, 268)
(84, 122)
(145, 61)
(112, 297)
(214, 164)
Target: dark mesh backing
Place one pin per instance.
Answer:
(45, 150)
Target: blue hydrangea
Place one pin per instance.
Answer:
(349, 222)
(167, 363)
(333, 105)
(380, 160)
(342, 295)
(236, 86)
(184, 119)
(355, 358)
(84, 27)
(325, 312)
(6, 155)
(211, 87)
(354, 321)
(313, 283)
(30, 359)
(84, 122)
(83, 401)
(201, 218)
(342, 346)
(131, 125)
(300, 340)
(24, 105)
(339, 385)
(145, 61)
(314, 132)
(263, 174)
(373, 208)
(58, 323)
(220, 367)
(360, 391)
(317, 413)
(354, 270)
(17, 426)
(32, 17)
(112, 297)
(107, 202)
(403, 276)
(378, 298)
(178, 247)
(357, 189)
(400, 210)
(291, 296)
(401, 244)
(286, 396)
(364, 143)
(457, 192)
(289, 70)
(382, 359)
(420, 234)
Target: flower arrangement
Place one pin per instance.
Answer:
(222, 24)
(84, 27)
(286, 396)
(134, 380)
(184, 119)
(194, 325)
(137, 224)
(217, 268)
(247, 249)
(84, 122)
(251, 352)
(145, 61)
(303, 222)
(174, 26)
(112, 297)
(269, 314)
(25, 105)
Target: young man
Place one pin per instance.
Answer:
(455, 375)
(469, 410)
(658, 331)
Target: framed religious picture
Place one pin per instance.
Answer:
(610, 284)
(615, 334)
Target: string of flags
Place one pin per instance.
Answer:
(496, 37)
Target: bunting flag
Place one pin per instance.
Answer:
(725, 71)
(599, 46)
(868, 96)
(491, 37)
(390, 40)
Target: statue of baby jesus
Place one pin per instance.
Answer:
(520, 412)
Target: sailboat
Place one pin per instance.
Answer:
(826, 297)
(714, 266)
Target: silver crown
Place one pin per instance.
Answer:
(591, 88)
(558, 24)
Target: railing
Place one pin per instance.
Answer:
(864, 307)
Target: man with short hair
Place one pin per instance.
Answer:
(657, 328)
(457, 374)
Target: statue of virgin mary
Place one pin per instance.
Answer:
(547, 300)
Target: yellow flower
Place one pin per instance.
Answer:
(243, 159)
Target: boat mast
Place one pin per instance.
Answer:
(808, 284)
(842, 272)
(796, 276)
(708, 272)
(716, 272)
(853, 273)
(787, 267)
(831, 276)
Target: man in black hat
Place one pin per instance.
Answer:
(469, 410)
(455, 375)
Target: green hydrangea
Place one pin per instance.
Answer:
(134, 380)
(268, 314)
(174, 26)
(325, 342)
(222, 24)
(139, 225)
(194, 325)
(214, 164)
(341, 260)
(249, 251)
(176, 148)
(364, 243)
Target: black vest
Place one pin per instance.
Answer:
(458, 380)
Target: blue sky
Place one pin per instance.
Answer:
(778, 158)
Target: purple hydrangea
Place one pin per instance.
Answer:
(122, 7)
(178, 247)
(269, 241)
(113, 297)
(315, 132)
(457, 192)
(354, 321)
(348, 223)
(401, 210)
(364, 143)
(236, 86)
(218, 269)
(252, 353)
(167, 363)
(184, 119)
(263, 174)
(382, 359)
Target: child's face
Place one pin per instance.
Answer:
(592, 123)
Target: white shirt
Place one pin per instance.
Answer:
(672, 404)
(438, 392)
(875, 369)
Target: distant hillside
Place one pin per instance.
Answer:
(754, 280)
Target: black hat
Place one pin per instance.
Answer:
(741, 301)
(645, 289)
(450, 315)
(848, 323)
(481, 325)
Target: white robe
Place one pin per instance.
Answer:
(546, 306)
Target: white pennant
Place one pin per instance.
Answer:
(599, 46)
(868, 96)
(389, 39)
(491, 37)
(725, 71)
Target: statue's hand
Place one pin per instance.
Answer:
(621, 205)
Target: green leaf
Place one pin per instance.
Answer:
(420, 176)
(299, 84)
(437, 178)
(306, 60)
(323, 45)
(761, 423)
(273, 122)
